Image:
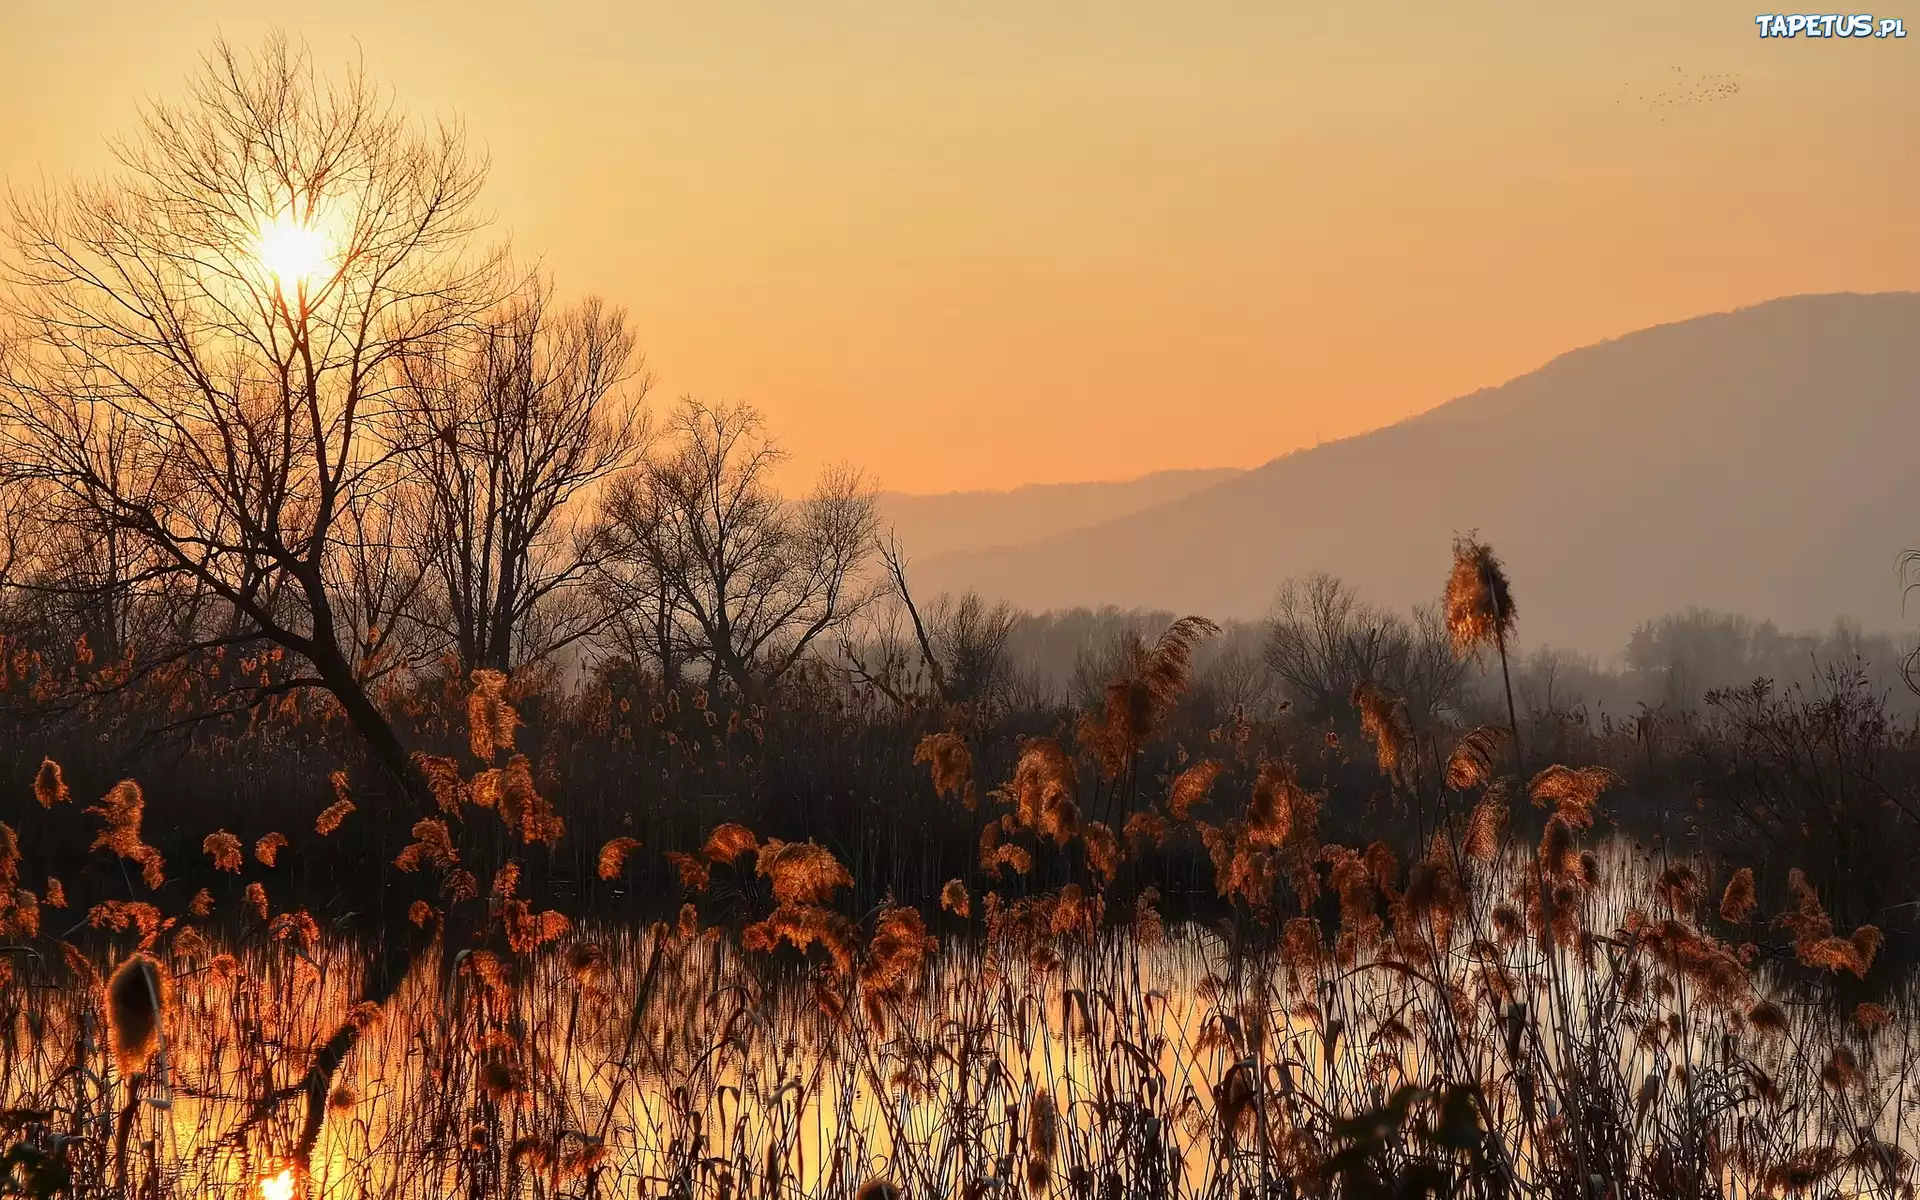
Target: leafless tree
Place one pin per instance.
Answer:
(1323, 640)
(508, 431)
(962, 641)
(1431, 677)
(751, 578)
(205, 350)
(970, 636)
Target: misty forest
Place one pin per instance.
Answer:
(434, 762)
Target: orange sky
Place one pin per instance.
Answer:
(978, 243)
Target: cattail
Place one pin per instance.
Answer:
(1738, 901)
(298, 928)
(1145, 830)
(1866, 942)
(1103, 851)
(1485, 826)
(121, 915)
(224, 849)
(803, 925)
(728, 842)
(1679, 888)
(490, 719)
(501, 1079)
(953, 898)
(1471, 763)
(1870, 1016)
(136, 1005)
(898, 951)
(188, 942)
(1042, 779)
(1059, 819)
(802, 872)
(522, 809)
(1043, 1127)
(951, 762)
(613, 856)
(506, 880)
(1233, 1097)
(1383, 718)
(50, 784)
(333, 814)
(1076, 911)
(1479, 602)
(10, 861)
(1269, 818)
(694, 874)
(1842, 1071)
(1148, 928)
(1478, 609)
(432, 843)
(1572, 792)
(586, 961)
(1767, 1017)
(1558, 858)
(443, 779)
(19, 914)
(120, 811)
(1152, 680)
(1191, 787)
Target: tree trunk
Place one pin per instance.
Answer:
(382, 743)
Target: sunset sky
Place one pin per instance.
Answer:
(979, 243)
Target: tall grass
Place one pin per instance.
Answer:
(1496, 1017)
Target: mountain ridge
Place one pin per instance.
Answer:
(1748, 460)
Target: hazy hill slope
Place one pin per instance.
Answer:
(1765, 461)
(931, 525)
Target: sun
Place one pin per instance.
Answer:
(278, 1187)
(293, 251)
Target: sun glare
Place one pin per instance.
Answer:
(278, 1187)
(294, 252)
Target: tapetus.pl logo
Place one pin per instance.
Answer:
(1829, 25)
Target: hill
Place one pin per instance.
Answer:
(1759, 461)
(952, 522)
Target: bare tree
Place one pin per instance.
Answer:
(508, 430)
(205, 350)
(970, 637)
(962, 641)
(1431, 678)
(1323, 640)
(752, 579)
